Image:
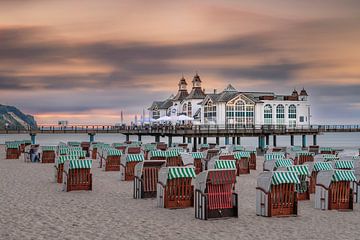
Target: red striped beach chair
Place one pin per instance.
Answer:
(302, 157)
(242, 162)
(214, 192)
(12, 150)
(112, 159)
(48, 154)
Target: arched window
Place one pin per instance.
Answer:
(267, 114)
(209, 112)
(184, 110)
(189, 109)
(292, 115)
(280, 114)
(240, 114)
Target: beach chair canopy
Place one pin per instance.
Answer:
(80, 154)
(173, 153)
(204, 145)
(296, 149)
(343, 164)
(326, 149)
(329, 157)
(225, 164)
(241, 154)
(62, 158)
(325, 178)
(356, 157)
(266, 179)
(169, 173)
(221, 176)
(283, 163)
(157, 153)
(198, 155)
(322, 166)
(135, 157)
(149, 147)
(301, 170)
(12, 145)
(77, 164)
(237, 148)
(48, 148)
(304, 153)
(274, 156)
(74, 144)
(112, 152)
(148, 163)
(115, 145)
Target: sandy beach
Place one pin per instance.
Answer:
(33, 206)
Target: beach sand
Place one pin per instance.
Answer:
(33, 206)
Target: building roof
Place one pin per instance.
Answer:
(303, 92)
(196, 93)
(181, 95)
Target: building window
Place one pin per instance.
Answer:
(209, 112)
(292, 115)
(156, 114)
(280, 114)
(240, 114)
(184, 110)
(189, 108)
(267, 114)
(302, 119)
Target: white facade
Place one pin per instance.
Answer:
(240, 109)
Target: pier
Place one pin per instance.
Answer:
(195, 134)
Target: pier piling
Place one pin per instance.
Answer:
(303, 141)
(292, 140)
(274, 141)
(33, 138)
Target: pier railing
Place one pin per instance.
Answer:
(184, 129)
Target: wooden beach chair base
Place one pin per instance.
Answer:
(340, 196)
(12, 153)
(252, 161)
(48, 157)
(282, 200)
(79, 179)
(112, 163)
(179, 193)
(242, 166)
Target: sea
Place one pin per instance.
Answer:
(349, 142)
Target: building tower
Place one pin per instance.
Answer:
(182, 92)
(303, 95)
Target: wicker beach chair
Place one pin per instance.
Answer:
(314, 168)
(157, 155)
(277, 165)
(146, 178)
(48, 154)
(214, 191)
(127, 165)
(112, 159)
(85, 146)
(327, 150)
(174, 188)
(173, 157)
(276, 195)
(59, 166)
(12, 150)
(333, 190)
(204, 147)
(303, 157)
(198, 161)
(302, 189)
(242, 162)
(77, 175)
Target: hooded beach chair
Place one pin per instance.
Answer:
(59, 166)
(314, 149)
(12, 150)
(77, 175)
(242, 162)
(302, 189)
(214, 191)
(344, 164)
(133, 149)
(174, 188)
(252, 160)
(74, 144)
(85, 146)
(146, 178)
(356, 185)
(210, 153)
(303, 157)
(226, 155)
(147, 148)
(48, 154)
(276, 195)
(127, 165)
(112, 159)
(198, 161)
(173, 157)
(270, 159)
(93, 149)
(316, 167)
(333, 190)
(203, 147)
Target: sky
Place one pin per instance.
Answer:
(86, 61)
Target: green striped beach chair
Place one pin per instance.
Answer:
(59, 166)
(112, 158)
(314, 169)
(334, 190)
(77, 175)
(12, 150)
(174, 188)
(48, 154)
(276, 194)
(242, 162)
(302, 189)
(127, 165)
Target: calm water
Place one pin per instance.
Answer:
(348, 141)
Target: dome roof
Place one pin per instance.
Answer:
(303, 92)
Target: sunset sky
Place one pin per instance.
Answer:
(85, 61)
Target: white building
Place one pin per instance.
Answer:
(235, 108)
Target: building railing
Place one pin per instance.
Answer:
(182, 128)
